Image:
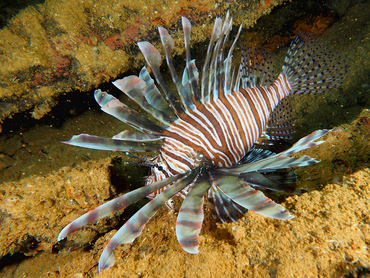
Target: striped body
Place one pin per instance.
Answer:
(205, 134)
(220, 132)
(223, 131)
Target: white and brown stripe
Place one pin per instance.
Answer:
(222, 130)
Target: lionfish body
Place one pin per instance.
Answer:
(207, 133)
(224, 130)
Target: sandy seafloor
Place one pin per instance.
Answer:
(45, 185)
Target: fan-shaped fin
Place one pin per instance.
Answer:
(190, 219)
(168, 44)
(112, 106)
(135, 225)
(136, 136)
(153, 58)
(192, 80)
(107, 144)
(115, 205)
(257, 68)
(222, 207)
(281, 160)
(280, 125)
(134, 87)
(260, 181)
(311, 68)
(243, 194)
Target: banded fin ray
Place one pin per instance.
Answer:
(116, 204)
(217, 71)
(112, 106)
(186, 96)
(185, 78)
(245, 195)
(153, 95)
(254, 155)
(135, 225)
(107, 144)
(153, 58)
(222, 207)
(281, 160)
(206, 84)
(271, 163)
(305, 142)
(260, 181)
(134, 87)
(186, 26)
(229, 83)
(217, 78)
(191, 215)
(128, 135)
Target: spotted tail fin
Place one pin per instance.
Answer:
(312, 69)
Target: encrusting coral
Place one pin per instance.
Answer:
(67, 45)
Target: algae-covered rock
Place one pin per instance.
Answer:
(63, 46)
(329, 235)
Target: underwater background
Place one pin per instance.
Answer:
(55, 53)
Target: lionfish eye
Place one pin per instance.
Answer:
(160, 168)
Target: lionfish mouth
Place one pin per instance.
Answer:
(223, 117)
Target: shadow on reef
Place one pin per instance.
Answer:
(28, 249)
(65, 108)
(340, 106)
(126, 177)
(9, 8)
(359, 273)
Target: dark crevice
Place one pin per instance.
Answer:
(126, 177)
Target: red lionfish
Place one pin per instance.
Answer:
(207, 134)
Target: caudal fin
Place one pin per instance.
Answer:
(312, 69)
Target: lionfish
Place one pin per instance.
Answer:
(205, 134)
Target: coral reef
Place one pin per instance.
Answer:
(54, 195)
(62, 46)
(329, 236)
(40, 194)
